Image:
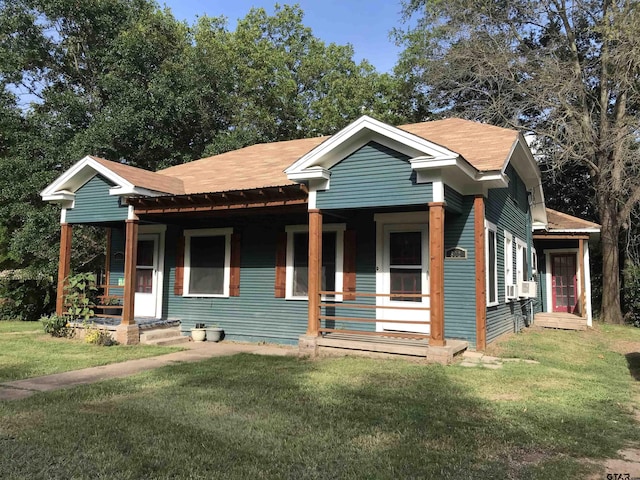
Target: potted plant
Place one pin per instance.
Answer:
(214, 333)
(111, 302)
(199, 333)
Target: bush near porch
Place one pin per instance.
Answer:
(250, 416)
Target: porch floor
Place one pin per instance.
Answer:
(420, 348)
(143, 323)
(564, 321)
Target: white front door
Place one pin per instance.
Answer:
(147, 276)
(404, 277)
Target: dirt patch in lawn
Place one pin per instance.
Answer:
(627, 466)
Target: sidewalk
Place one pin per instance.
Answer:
(196, 351)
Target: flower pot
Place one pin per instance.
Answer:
(214, 334)
(198, 334)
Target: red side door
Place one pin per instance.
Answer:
(564, 282)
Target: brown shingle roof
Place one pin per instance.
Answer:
(144, 178)
(562, 221)
(256, 166)
(484, 146)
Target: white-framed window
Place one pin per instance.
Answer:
(491, 252)
(509, 285)
(522, 263)
(207, 261)
(297, 287)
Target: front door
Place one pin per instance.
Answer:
(404, 279)
(564, 283)
(147, 276)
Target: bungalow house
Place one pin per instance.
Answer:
(423, 239)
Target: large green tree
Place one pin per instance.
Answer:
(125, 80)
(565, 70)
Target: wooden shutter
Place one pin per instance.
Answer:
(178, 284)
(349, 265)
(281, 265)
(234, 276)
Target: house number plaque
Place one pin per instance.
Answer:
(456, 253)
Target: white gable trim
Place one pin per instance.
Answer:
(79, 174)
(63, 189)
(358, 133)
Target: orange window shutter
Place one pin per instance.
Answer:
(234, 277)
(281, 265)
(349, 265)
(178, 284)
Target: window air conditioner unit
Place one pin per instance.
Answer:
(511, 292)
(528, 289)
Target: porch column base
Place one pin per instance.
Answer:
(127, 334)
(308, 345)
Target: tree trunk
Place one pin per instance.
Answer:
(611, 311)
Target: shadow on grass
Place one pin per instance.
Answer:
(633, 361)
(271, 417)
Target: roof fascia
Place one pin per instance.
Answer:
(135, 191)
(350, 133)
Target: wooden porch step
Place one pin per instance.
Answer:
(392, 345)
(563, 321)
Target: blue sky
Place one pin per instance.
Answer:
(365, 24)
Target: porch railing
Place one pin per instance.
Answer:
(330, 300)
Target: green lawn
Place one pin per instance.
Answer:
(281, 417)
(27, 352)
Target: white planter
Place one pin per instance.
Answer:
(214, 334)
(198, 334)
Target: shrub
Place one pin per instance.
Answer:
(80, 291)
(631, 293)
(25, 299)
(99, 337)
(57, 326)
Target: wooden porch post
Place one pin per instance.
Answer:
(436, 272)
(583, 296)
(130, 257)
(481, 273)
(315, 271)
(64, 265)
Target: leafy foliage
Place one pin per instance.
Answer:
(57, 326)
(80, 293)
(99, 337)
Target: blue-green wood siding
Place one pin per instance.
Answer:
(374, 176)
(508, 209)
(116, 261)
(93, 204)
(453, 199)
(256, 314)
(459, 275)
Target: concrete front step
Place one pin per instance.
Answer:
(159, 333)
(163, 336)
(177, 340)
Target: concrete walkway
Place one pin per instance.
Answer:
(196, 351)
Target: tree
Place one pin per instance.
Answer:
(565, 70)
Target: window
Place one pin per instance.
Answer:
(298, 260)
(492, 263)
(522, 264)
(207, 262)
(508, 267)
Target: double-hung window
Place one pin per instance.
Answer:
(297, 287)
(491, 239)
(509, 286)
(207, 258)
(522, 263)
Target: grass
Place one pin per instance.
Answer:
(250, 416)
(27, 352)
